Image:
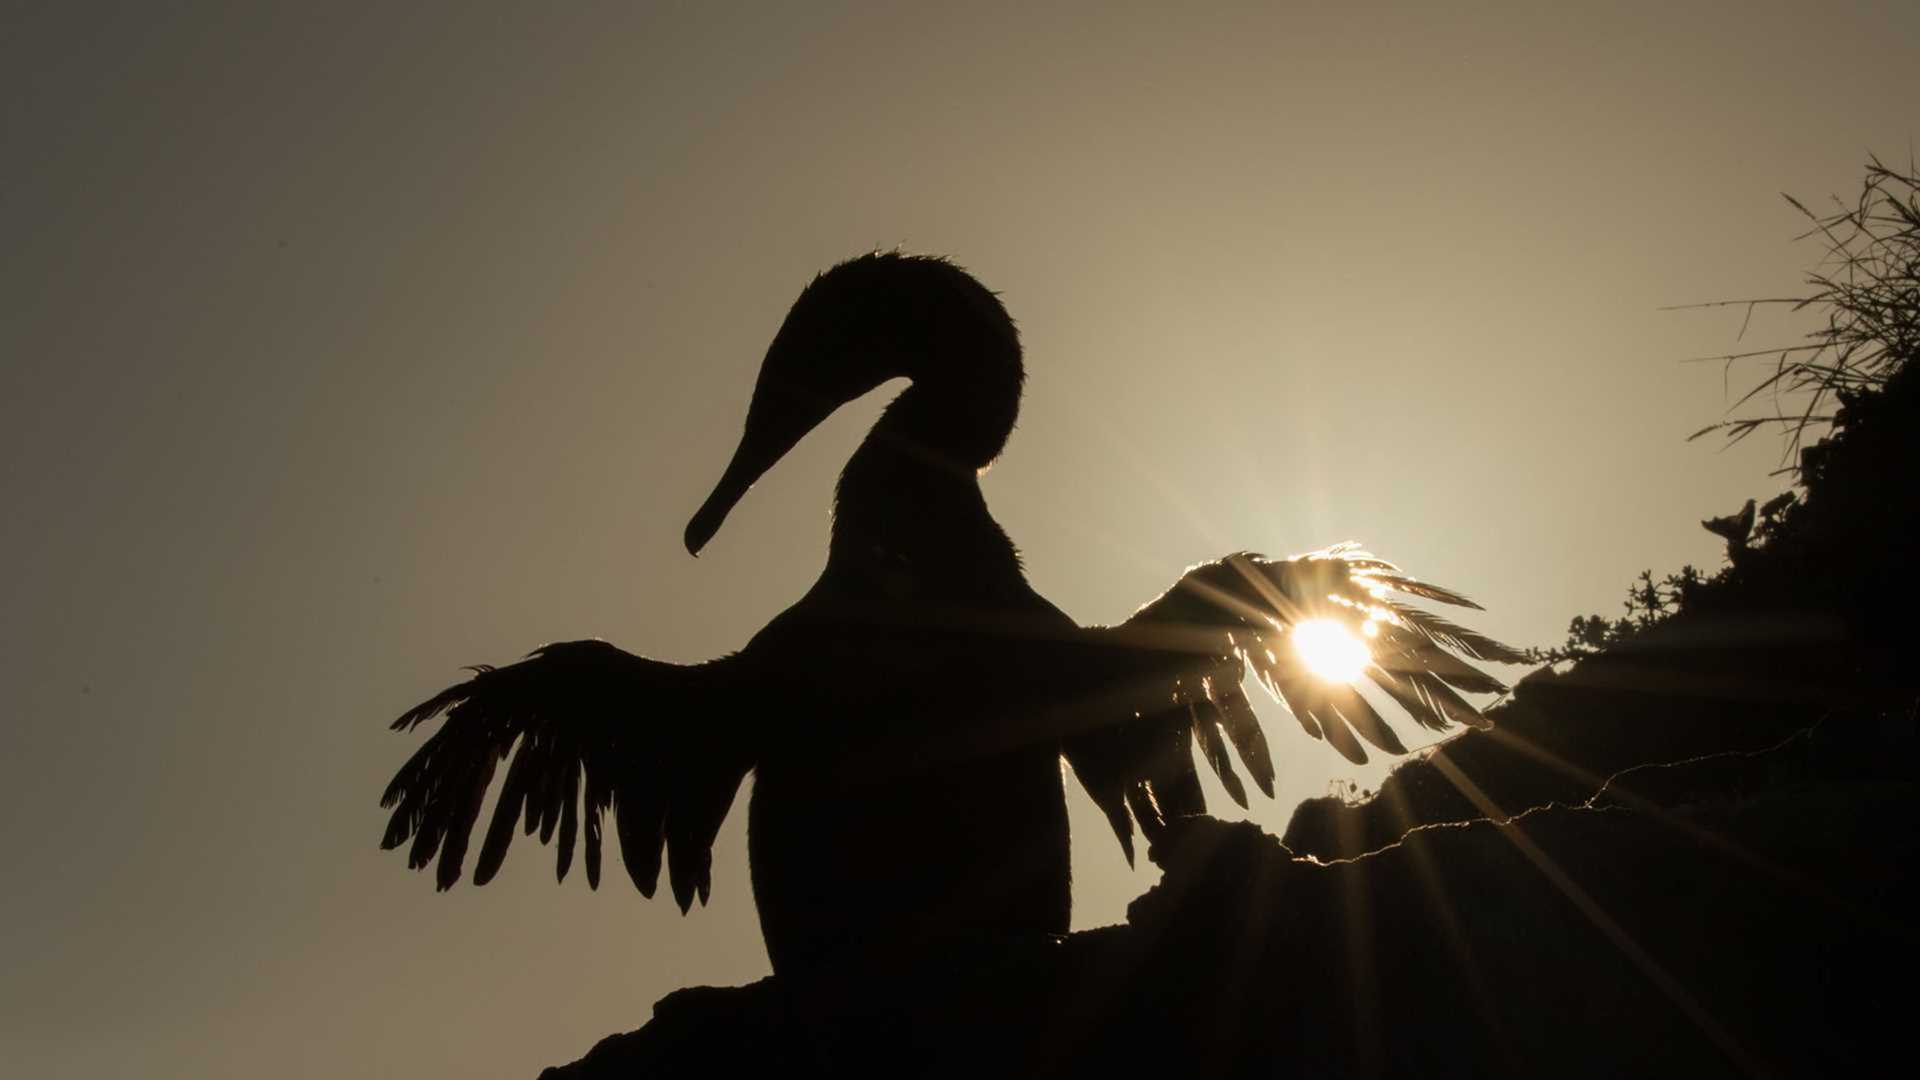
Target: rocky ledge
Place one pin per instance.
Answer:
(1735, 914)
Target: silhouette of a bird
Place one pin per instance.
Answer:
(906, 719)
(1735, 529)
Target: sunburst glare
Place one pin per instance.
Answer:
(1330, 650)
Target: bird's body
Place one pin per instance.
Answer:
(903, 634)
(850, 848)
(906, 719)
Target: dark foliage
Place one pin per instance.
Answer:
(1868, 290)
(1648, 603)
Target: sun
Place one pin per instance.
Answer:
(1330, 650)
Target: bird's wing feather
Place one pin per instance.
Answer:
(590, 731)
(1185, 654)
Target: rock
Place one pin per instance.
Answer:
(1741, 925)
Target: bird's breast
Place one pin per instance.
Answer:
(905, 853)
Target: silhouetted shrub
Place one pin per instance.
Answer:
(1868, 287)
(1649, 603)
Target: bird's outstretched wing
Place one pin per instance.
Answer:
(599, 732)
(1183, 658)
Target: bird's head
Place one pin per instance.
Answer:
(878, 317)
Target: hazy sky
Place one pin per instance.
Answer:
(341, 349)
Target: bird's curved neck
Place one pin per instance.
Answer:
(911, 493)
(959, 423)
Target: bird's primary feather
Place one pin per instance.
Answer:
(1251, 604)
(570, 722)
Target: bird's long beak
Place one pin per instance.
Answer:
(778, 419)
(741, 473)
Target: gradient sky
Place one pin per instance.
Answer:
(340, 349)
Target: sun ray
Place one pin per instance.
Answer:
(1808, 887)
(1363, 973)
(1598, 916)
(1452, 931)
